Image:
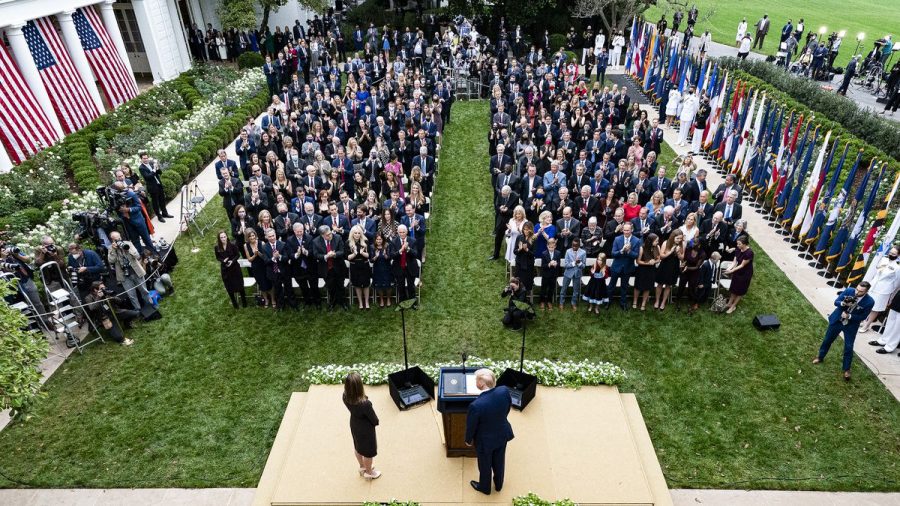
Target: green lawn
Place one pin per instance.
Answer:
(875, 19)
(196, 402)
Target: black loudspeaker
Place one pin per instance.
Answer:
(410, 387)
(766, 322)
(522, 386)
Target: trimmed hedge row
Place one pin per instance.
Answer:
(190, 163)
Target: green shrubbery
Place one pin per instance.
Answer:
(250, 60)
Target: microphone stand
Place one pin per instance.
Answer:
(402, 307)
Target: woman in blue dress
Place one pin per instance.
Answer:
(543, 230)
(382, 277)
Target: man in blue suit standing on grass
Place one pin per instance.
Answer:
(488, 429)
(851, 307)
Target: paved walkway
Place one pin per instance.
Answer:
(244, 497)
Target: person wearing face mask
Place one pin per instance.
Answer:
(85, 266)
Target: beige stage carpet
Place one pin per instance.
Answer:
(588, 445)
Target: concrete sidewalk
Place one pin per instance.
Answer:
(244, 497)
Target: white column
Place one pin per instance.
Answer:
(180, 41)
(30, 73)
(112, 28)
(76, 52)
(143, 16)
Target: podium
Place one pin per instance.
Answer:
(456, 390)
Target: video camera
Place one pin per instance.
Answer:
(112, 198)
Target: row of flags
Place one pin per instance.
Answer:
(25, 127)
(782, 157)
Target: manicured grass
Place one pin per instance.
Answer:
(875, 19)
(198, 400)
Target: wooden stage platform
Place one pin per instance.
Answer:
(588, 445)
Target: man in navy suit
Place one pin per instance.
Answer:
(224, 162)
(366, 223)
(852, 306)
(488, 429)
(661, 183)
(625, 250)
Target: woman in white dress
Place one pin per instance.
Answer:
(513, 229)
(220, 43)
(690, 228)
(672, 106)
(742, 30)
(884, 284)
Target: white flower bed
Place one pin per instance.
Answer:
(548, 372)
(180, 136)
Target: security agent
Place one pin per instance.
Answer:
(102, 306)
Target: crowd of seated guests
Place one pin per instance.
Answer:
(581, 199)
(331, 188)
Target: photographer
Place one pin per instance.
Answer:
(129, 207)
(48, 252)
(14, 261)
(101, 304)
(150, 171)
(852, 306)
(125, 260)
(513, 316)
(85, 267)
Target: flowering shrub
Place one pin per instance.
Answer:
(180, 136)
(548, 372)
(36, 183)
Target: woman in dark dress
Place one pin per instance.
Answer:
(645, 275)
(252, 246)
(360, 269)
(524, 251)
(667, 273)
(227, 254)
(382, 277)
(691, 260)
(362, 425)
(741, 272)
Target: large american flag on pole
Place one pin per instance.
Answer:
(115, 79)
(24, 128)
(70, 97)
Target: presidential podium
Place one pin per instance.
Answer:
(456, 390)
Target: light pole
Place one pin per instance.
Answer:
(859, 38)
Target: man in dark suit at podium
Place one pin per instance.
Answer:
(488, 429)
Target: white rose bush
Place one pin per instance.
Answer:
(551, 373)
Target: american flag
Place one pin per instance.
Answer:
(115, 79)
(70, 97)
(24, 128)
